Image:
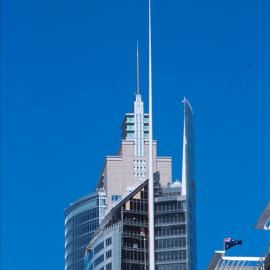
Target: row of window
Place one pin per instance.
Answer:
(108, 254)
(103, 202)
(170, 230)
(78, 243)
(98, 248)
(170, 219)
(108, 241)
(76, 266)
(139, 162)
(116, 197)
(77, 256)
(171, 243)
(134, 255)
(81, 218)
(134, 220)
(131, 119)
(131, 128)
(137, 205)
(86, 228)
(176, 266)
(171, 256)
(169, 206)
(99, 260)
(139, 174)
(130, 135)
(108, 267)
(138, 168)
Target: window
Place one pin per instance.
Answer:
(98, 248)
(130, 127)
(116, 197)
(108, 241)
(103, 201)
(146, 120)
(109, 266)
(130, 120)
(130, 135)
(99, 260)
(108, 254)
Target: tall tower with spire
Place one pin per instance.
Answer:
(138, 116)
(124, 171)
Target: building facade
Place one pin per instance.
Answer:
(126, 225)
(126, 220)
(82, 218)
(121, 173)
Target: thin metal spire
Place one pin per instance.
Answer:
(138, 69)
(151, 180)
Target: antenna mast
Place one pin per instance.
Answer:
(151, 180)
(138, 69)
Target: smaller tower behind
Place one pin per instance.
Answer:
(188, 185)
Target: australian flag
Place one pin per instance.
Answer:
(229, 242)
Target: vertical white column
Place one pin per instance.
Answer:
(184, 161)
(151, 182)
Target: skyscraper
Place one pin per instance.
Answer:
(120, 175)
(81, 220)
(127, 222)
(150, 220)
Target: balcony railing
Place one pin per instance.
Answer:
(135, 211)
(166, 236)
(134, 261)
(134, 223)
(135, 249)
(160, 224)
(133, 235)
(167, 211)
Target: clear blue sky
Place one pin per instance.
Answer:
(68, 77)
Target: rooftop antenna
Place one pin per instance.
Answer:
(138, 69)
(151, 181)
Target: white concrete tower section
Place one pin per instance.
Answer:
(151, 180)
(188, 185)
(138, 116)
(187, 145)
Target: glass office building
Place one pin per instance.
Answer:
(121, 241)
(82, 218)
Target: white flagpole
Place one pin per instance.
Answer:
(151, 181)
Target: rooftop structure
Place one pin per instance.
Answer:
(122, 172)
(221, 262)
